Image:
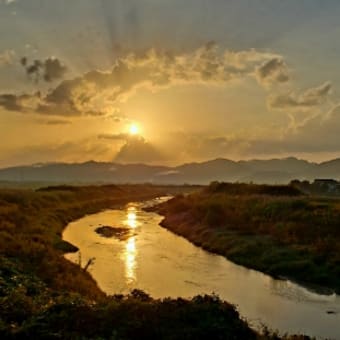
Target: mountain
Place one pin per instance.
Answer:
(257, 171)
(202, 173)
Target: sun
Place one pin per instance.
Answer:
(133, 130)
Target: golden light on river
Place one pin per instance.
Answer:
(130, 259)
(131, 217)
(130, 246)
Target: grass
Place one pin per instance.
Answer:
(274, 229)
(31, 223)
(43, 296)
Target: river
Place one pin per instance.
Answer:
(165, 265)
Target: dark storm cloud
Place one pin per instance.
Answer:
(54, 69)
(49, 70)
(309, 98)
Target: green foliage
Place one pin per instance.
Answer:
(252, 189)
(214, 214)
(137, 316)
(43, 296)
(274, 229)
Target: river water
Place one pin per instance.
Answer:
(166, 265)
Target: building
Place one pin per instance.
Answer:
(328, 185)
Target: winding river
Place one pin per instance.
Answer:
(166, 265)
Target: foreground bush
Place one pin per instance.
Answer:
(138, 317)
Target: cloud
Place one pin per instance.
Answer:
(137, 150)
(118, 137)
(123, 137)
(54, 69)
(334, 112)
(271, 71)
(7, 2)
(69, 151)
(19, 103)
(55, 122)
(11, 102)
(117, 118)
(49, 70)
(182, 146)
(319, 133)
(99, 92)
(7, 57)
(310, 98)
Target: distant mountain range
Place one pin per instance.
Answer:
(258, 171)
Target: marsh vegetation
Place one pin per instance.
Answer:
(274, 229)
(42, 295)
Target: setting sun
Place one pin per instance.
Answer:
(133, 129)
(170, 169)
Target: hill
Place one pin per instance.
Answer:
(274, 171)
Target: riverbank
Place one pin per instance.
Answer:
(42, 295)
(273, 229)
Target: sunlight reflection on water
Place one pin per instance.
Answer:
(130, 247)
(163, 264)
(130, 259)
(131, 217)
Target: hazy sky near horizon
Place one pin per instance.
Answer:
(201, 79)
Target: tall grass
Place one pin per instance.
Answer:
(43, 296)
(275, 229)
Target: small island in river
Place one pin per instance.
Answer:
(120, 233)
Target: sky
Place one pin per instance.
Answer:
(168, 81)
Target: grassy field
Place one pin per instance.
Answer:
(43, 296)
(274, 229)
